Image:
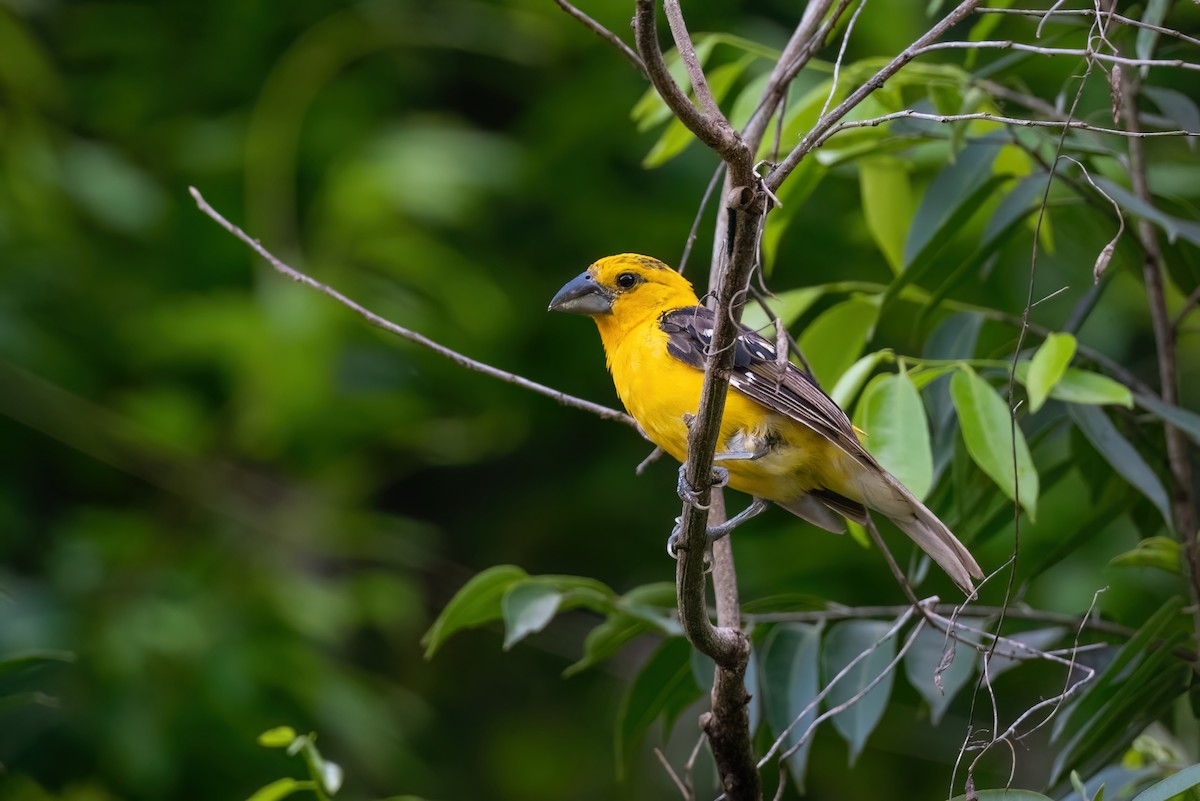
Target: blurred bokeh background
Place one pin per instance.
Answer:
(226, 503)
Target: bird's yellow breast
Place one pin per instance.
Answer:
(662, 393)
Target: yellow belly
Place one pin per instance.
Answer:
(661, 392)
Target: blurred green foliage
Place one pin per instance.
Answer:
(228, 504)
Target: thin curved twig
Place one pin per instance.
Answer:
(563, 398)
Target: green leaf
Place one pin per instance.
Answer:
(664, 687)
(1185, 421)
(951, 198)
(278, 737)
(1082, 386)
(938, 668)
(677, 137)
(1048, 366)
(835, 339)
(475, 604)
(787, 306)
(789, 678)
(845, 642)
(1175, 227)
(1160, 552)
(651, 109)
(1147, 37)
(892, 414)
(1171, 786)
(528, 608)
(851, 382)
(1133, 688)
(887, 204)
(281, 788)
(988, 429)
(30, 660)
(606, 639)
(1123, 457)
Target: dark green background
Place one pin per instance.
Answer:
(238, 506)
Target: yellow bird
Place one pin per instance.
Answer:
(782, 439)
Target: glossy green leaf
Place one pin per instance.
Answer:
(1082, 386)
(1158, 552)
(1047, 367)
(528, 608)
(663, 688)
(1123, 457)
(475, 604)
(1172, 786)
(987, 429)
(938, 668)
(835, 339)
(848, 386)
(845, 642)
(789, 676)
(887, 204)
(891, 413)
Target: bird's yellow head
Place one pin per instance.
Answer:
(619, 292)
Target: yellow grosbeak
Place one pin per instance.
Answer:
(782, 439)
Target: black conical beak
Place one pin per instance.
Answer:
(582, 295)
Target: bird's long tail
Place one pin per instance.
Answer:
(884, 492)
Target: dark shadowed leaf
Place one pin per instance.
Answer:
(606, 639)
(789, 678)
(1123, 457)
(476, 603)
(845, 642)
(1186, 421)
(664, 687)
(938, 668)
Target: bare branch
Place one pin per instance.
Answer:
(604, 33)
(713, 131)
(1059, 51)
(912, 114)
(1089, 12)
(374, 319)
(784, 169)
(687, 53)
(1179, 456)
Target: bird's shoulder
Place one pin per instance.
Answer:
(760, 373)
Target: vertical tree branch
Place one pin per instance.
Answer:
(1178, 453)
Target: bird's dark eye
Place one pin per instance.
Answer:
(626, 280)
